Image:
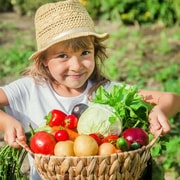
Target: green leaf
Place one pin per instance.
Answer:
(128, 104)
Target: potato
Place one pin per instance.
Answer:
(85, 145)
(64, 148)
(106, 149)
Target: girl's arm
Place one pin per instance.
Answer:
(10, 126)
(166, 105)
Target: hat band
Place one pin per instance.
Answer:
(66, 33)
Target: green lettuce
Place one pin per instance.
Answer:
(99, 118)
(128, 104)
(115, 110)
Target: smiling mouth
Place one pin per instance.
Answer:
(75, 76)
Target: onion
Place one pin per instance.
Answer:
(136, 135)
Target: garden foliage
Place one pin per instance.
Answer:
(128, 11)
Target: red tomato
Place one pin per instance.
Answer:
(61, 135)
(110, 139)
(55, 118)
(70, 121)
(42, 143)
(97, 137)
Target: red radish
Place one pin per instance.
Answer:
(137, 135)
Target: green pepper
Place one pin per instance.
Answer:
(135, 145)
(122, 144)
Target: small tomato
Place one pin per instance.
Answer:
(61, 135)
(110, 139)
(97, 137)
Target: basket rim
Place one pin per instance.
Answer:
(95, 156)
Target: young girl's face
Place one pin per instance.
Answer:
(70, 67)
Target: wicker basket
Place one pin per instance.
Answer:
(121, 166)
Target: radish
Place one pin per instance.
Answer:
(136, 137)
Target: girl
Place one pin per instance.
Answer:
(65, 71)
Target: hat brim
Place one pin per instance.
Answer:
(101, 37)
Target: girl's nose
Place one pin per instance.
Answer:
(75, 63)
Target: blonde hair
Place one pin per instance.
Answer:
(40, 72)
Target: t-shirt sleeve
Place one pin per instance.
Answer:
(18, 92)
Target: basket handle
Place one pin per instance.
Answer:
(156, 136)
(25, 146)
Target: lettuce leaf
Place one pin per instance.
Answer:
(100, 119)
(128, 104)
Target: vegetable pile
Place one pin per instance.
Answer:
(115, 121)
(44, 142)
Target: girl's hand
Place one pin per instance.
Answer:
(13, 131)
(158, 120)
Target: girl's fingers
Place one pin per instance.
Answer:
(158, 121)
(154, 123)
(10, 139)
(154, 126)
(20, 134)
(11, 135)
(163, 121)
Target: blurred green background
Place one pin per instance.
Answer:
(143, 50)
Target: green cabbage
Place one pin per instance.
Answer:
(99, 118)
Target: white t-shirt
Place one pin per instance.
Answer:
(29, 102)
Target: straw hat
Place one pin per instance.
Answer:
(56, 22)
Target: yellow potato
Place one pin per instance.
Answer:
(85, 145)
(64, 148)
(107, 149)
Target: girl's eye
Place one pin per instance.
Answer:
(85, 53)
(62, 56)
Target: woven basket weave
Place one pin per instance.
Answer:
(120, 166)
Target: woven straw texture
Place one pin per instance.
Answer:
(121, 166)
(55, 19)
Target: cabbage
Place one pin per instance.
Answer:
(99, 118)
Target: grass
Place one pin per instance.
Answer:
(146, 56)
